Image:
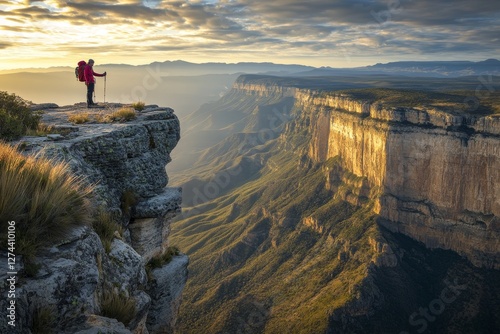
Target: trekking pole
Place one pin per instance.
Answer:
(105, 89)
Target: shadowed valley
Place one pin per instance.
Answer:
(305, 210)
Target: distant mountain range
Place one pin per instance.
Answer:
(409, 68)
(417, 68)
(183, 68)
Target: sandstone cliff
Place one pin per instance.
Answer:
(435, 174)
(78, 273)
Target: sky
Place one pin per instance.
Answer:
(336, 33)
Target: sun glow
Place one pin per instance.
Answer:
(44, 33)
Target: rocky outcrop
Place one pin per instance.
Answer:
(125, 162)
(435, 174)
(165, 289)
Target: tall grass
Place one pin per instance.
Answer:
(43, 198)
(106, 227)
(118, 306)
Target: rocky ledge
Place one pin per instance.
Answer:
(125, 162)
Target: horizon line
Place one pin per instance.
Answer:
(250, 62)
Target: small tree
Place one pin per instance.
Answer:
(16, 116)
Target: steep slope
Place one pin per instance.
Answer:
(285, 232)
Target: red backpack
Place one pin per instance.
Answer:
(79, 70)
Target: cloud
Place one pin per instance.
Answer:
(4, 45)
(279, 28)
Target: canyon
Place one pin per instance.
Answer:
(437, 172)
(312, 209)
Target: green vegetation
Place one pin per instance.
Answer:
(16, 116)
(44, 129)
(106, 227)
(450, 101)
(44, 199)
(246, 261)
(474, 95)
(139, 106)
(117, 305)
(277, 246)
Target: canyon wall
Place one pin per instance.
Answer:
(435, 175)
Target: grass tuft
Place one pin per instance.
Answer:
(44, 129)
(118, 306)
(161, 260)
(79, 118)
(43, 320)
(106, 226)
(139, 106)
(43, 198)
(122, 115)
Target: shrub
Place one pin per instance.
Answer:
(123, 114)
(16, 116)
(106, 226)
(79, 118)
(43, 198)
(117, 306)
(139, 106)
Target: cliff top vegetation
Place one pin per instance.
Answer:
(460, 101)
(16, 117)
(471, 94)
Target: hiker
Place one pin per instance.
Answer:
(90, 81)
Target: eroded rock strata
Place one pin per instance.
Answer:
(437, 173)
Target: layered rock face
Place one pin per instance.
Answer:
(435, 175)
(126, 164)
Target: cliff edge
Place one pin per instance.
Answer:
(79, 278)
(436, 171)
